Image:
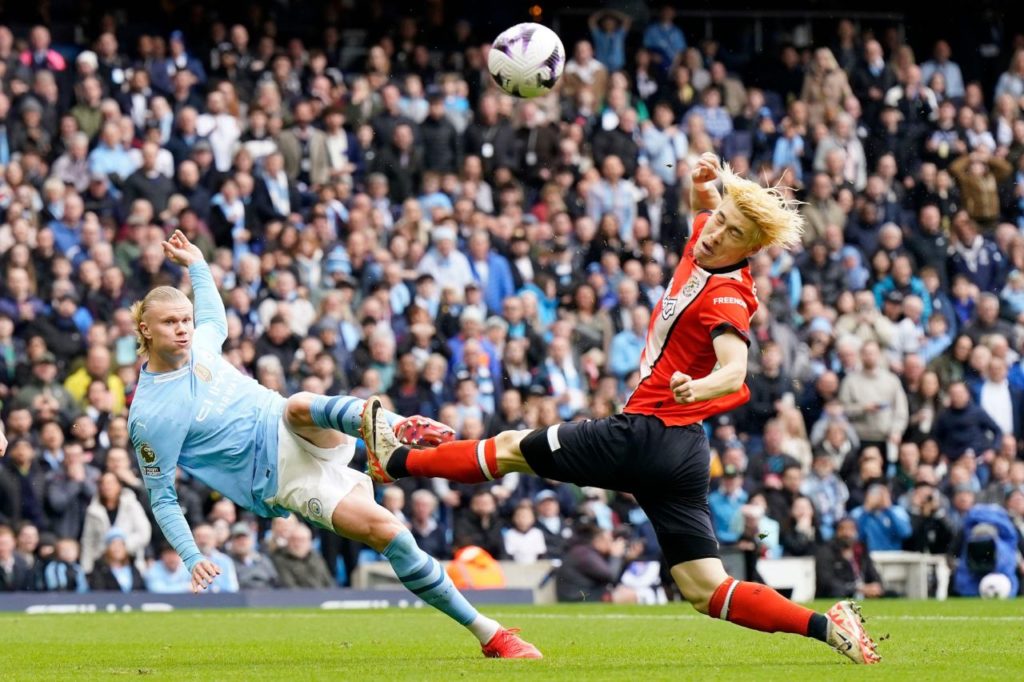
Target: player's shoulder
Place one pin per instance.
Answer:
(734, 286)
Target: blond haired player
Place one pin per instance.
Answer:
(271, 455)
(693, 367)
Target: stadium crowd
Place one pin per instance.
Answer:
(393, 225)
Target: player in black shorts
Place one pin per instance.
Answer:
(657, 449)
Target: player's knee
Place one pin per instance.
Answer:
(296, 410)
(697, 583)
(509, 455)
(382, 531)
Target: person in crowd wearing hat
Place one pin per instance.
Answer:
(114, 570)
(712, 293)
(194, 410)
(725, 503)
(255, 570)
(552, 523)
(45, 389)
(168, 575)
(298, 565)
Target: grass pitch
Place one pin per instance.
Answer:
(955, 640)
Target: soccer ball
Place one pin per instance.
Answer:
(995, 586)
(526, 60)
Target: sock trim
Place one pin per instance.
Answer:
(724, 615)
(481, 460)
(419, 574)
(426, 588)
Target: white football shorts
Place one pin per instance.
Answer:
(311, 480)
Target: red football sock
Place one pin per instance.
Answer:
(463, 461)
(758, 607)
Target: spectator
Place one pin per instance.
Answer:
(69, 491)
(479, 525)
(298, 565)
(27, 477)
(426, 530)
(168, 574)
(883, 525)
(874, 401)
(114, 570)
(62, 572)
(114, 507)
(664, 39)
(524, 542)
(844, 566)
(725, 503)
(254, 569)
(593, 568)
(941, 63)
(15, 574)
(964, 426)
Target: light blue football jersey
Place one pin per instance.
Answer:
(217, 424)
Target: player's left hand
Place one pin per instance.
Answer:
(203, 575)
(682, 388)
(706, 169)
(181, 251)
(419, 430)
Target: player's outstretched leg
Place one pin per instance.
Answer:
(306, 412)
(464, 461)
(358, 517)
(706, 585)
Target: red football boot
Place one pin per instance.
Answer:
(506, 643)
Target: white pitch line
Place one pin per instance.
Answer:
(637, 616)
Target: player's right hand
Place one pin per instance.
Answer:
(706, 169)
(181, 251)
(682, 388)
(203, 575)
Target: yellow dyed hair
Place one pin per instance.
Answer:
(775, 217)
(140, 308)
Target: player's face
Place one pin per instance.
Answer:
(725, 239)
(169, 327)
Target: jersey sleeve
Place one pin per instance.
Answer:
(158, 442)
(724, 310)
(211, 320)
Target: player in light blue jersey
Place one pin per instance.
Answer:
(269, 454)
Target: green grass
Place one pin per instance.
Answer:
(956, 640)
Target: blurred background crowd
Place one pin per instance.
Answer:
(381, 220)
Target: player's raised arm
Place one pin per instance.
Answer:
(704, 195)
(209, 308)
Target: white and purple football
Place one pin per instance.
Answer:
(526, 60)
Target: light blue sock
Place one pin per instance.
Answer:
(343, 413)
(423, 576)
